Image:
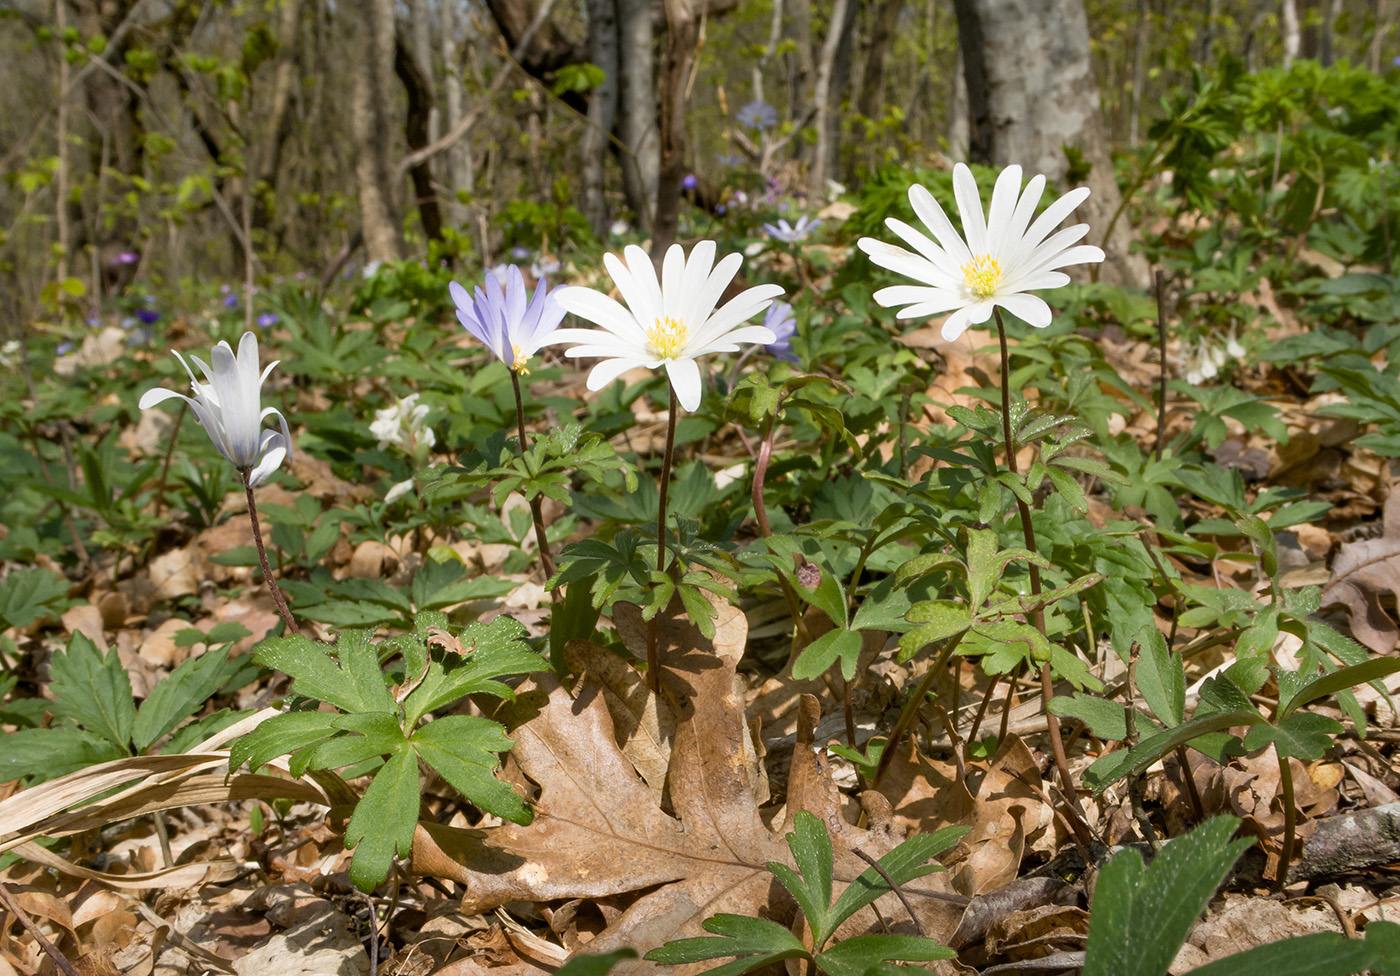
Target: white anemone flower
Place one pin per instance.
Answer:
(666, 323)
(998, 259)
(229, 407)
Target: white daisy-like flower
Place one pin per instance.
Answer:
(998, 260)
(666, 323)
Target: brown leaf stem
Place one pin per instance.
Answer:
(536, 507)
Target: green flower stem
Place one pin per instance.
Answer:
(653, 666)
(536, 509)
(1052, 722)
(262, 557)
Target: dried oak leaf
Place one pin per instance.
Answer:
(600, 832)
(1361, 573)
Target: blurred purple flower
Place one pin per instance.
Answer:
(690, 182)
(780, 319)
(148, 316)
(721, 209)
(125, 257)
(792, 233)
(509, 324)
(267, 319)
(757, 115)
(520, 253)
(230, 300)
(64, 348)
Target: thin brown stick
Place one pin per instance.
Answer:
(169, 453)
(911, 709)
(262, 557)
(893, 887)
(1162, 365)
(59, 959)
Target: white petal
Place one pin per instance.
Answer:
(159, 395)
(282, 422)
(970, 209)
(740, 308)
(956, 324)
(931, 213)
(1030, 309)
(1053, 216)
(1020, 220)
(697, 278)
(672, 291)
(708, 295)
(609, 370)
(685, 380)
(598, 308)
(1005, 196)
(915, 266)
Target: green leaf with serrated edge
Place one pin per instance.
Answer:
(359, 656)
(1302, 735)
(27, 595)
(54, 752)
(279, 736)
(811, 852)
(1319, 954)
(1017, 485)
(595, 964)
(826, 650)
(983, 569)
(374, 734)
(1070, 489)
(384, 821)
(857, 956)
(701, 611)
(314, 674)
(883, 608)
(492, 650)
(1106, 719)
(1071, 667)
(1329, 684)
(1263, 537)
(1154, 747)
(903, 864)
(928, 562)
(1140, 917)
(988, 502)
(1030, 603)
(773, 950)
(93, 689)
(180, 695)
(827, 596)
(1160, 676)
(463, 749)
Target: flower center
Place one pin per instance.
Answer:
(518, 361)
(983, 275)
(667, 337)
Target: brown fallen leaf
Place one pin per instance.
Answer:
(599, 830)
(1362, 572)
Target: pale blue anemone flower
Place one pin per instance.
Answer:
(783, 324)
(757, 115)
(792, 233)
(505, 322)
(230, 408)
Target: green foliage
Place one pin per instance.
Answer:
(756, 943)
(381, 716)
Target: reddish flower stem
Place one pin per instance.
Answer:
(262, 557)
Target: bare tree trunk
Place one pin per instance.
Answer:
(642, 161)
(800, 60)
(826, 120)
(959, 113)
(369, 123)
(681, 30)
(602, 112)
(1384, 21)
(1031, 92)
(456, 160)
(877, 55)
(421, 34)
(417, 134)
(1144, 37)
(1292, 36)
(61, 177)
(1331, 12)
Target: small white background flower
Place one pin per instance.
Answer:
(401, 425)
(998, 259)
(666, 323)
(229, 408)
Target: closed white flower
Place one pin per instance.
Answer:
(402, 425)
(229, 406)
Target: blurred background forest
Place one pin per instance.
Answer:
(194, 145)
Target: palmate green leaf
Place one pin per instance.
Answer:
(1160, 676)
(811, 851)
(1030, 603)
(27, 595)
(281, 735)
(384, 821)
(757, 942)
(463, 749)
(355, 684)
(1302, 735)
(53, 752)
(860, 955)
(94, 690)
(937, 620)
(826, 650)
(1141, 916)
(903, 864)
(489, 651)
(180, 695)
(374, 734)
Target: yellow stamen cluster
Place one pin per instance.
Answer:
(518, 361)
(983, 275)
(667, 337)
